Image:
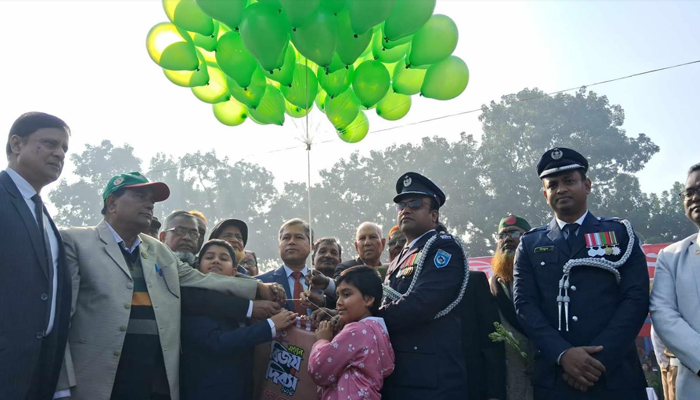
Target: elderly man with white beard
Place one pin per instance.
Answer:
(510, 229)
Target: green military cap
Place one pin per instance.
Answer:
(161, 191)
(514, 220)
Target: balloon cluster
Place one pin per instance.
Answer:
(262, 59)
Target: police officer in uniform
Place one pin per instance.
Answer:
(582, 318)
(423, 287)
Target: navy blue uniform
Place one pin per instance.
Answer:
(601, 312)
(429, 361)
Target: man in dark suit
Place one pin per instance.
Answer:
(483, 358)
(423, 288)
(35, 289)
(294, 247)
(582, 317)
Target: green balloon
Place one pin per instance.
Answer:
(234, 59)
(394, 106)
(342, 110)
(171, 48)
(407, 17)
(304, 87)
(408, 81)
(271, 108)
(207, 43)
(230, 12)
(231, 113)
(350, 44)
(274, 3)
(285, 74)
(446, 79)
(336, 64)
(299, 11)
(265, 33)
(337, 82)
(390, 44)
(216, 90)
(356, 131)
(321, 99)
(434, 42)
(294, 111)
(371, 82)
(251, 95)
(318, 38)
(187, 15)
(334, 6)
(387, 55)
(365, 14)
(198, 77)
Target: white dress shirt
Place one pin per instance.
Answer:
(578, 221)
(27, 192)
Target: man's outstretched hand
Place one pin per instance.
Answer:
(272, 291)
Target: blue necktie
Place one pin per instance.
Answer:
(570, 230)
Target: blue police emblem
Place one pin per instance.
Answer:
(442, 258)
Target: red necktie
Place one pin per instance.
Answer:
(298, 289)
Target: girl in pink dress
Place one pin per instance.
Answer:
(353, 364)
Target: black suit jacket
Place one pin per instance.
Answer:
(24, 301)
(484, 359)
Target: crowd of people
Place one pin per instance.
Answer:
(135, 309)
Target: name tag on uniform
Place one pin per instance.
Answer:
(544, 249)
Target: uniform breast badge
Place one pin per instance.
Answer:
(602, 243)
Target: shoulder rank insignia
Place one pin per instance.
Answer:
(445, 236)
(442, 258)
(544, 249)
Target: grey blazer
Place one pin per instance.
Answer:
(102, 293)
(675, 310)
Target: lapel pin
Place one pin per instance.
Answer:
(697, 252)
(144, 255)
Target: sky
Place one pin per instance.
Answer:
(86, 62)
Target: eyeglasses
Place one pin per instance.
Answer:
(511, 234)
(689, 193)
(182, 231)
(230, 237)
(413, 205)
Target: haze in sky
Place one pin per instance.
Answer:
(86, 62)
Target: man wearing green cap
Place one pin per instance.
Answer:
(510, 229)
(125, 331)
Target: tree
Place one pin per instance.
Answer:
(522, 126)
(484, 181)
(80, 203)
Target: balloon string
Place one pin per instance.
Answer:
(317, 307)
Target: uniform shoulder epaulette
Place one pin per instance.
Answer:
(536, 229)
(609, 219)
(445, 236)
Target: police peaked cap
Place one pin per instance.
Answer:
(560, 159)
(415, 184)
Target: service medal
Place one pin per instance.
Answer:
(608, 251)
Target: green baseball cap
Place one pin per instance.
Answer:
(514, 220)
(161, 191)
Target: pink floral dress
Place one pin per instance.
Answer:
(354, 364)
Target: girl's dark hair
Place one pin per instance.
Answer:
(367, 281)
(222, 243)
